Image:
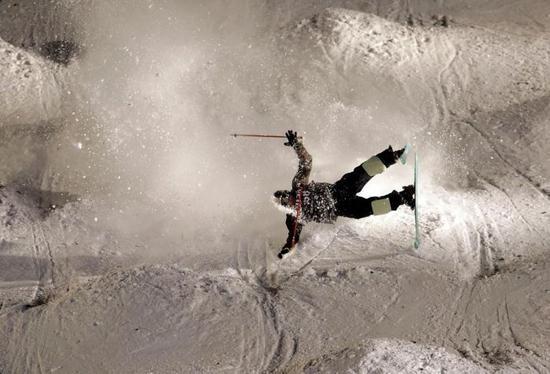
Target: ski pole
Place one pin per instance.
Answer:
(260, 136)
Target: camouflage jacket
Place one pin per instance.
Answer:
(317, 200)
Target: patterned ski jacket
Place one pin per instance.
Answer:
(317, 200)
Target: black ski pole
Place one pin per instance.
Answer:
(260, 136)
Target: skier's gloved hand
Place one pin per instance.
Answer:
(292, 137)
(284, 251)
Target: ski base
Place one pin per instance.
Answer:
(416, 216)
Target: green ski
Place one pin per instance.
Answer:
(416, 218)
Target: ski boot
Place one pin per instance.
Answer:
(401, 154)
(408, 196)
(390, 157)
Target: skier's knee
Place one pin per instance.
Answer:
(386, 204)
(373, 166)
(381, 206)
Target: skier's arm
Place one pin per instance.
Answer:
(293, 236)
(304, 158)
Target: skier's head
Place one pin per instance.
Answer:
(283, 197)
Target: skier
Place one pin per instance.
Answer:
(324, 202)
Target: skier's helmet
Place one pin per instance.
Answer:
(282, 197)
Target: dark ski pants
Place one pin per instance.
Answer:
(348, 204)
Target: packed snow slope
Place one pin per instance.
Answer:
(136, 236)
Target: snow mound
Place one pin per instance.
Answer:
(23, 268)
(32, 24)
(29, 92)
(158, 318)
(393, 356)
(47, 241)
(349, 34)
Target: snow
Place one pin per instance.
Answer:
(29, 92)
(392, 357)
(136, 235)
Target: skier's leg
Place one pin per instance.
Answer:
(358, 207)
(352, 183)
